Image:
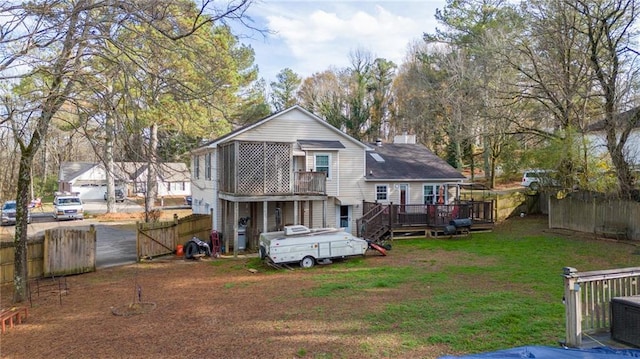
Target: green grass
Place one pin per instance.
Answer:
(482, 293)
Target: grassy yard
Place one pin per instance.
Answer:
(485, 292)
(428, 298)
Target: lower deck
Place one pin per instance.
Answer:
(419, 221)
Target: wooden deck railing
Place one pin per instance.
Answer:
(377, 217)
(435, 215)
(374, 221)
(309, 183)
(587, 297)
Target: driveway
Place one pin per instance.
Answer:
(115, 241)
(115, 245)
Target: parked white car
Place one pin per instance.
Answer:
(67, 207)
(537, 178)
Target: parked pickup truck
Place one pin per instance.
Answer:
(308, 246)
(67, 206)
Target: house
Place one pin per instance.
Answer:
(295, 168)
(89, 179)
(596, 136)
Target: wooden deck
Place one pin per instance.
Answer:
(601, 339)
(417, 221)
(588, 297)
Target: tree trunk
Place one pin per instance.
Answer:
(21, 274)
(108, 159)
(152, 174)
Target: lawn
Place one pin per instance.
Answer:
(426, 299)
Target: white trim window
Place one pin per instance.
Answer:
(429, 194)
(207, 166)
(382, 192)
(322, 163)
(434, 194)
(196, 167)
(176, 186)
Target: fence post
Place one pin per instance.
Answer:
(176, 231)
(94, 239)
(573, 307)
(138, 242)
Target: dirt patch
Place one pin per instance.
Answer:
(212, 308)
(208, 308)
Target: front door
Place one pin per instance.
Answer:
(344, 218)
(403, 192)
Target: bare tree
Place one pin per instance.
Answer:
(45, 46)
(609, 29)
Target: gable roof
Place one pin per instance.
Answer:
(167, 171)
(408, 162)
(71, 170)
(621, 119)
(127, 171)
(232, 134)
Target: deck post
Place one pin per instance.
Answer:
(265, 216)
(573, 307)
(391, 216)
(235, 229)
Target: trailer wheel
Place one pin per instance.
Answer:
(307, 262)
(263, 252)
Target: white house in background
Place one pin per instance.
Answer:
(90, 180)
(295, 168)
(597, 138)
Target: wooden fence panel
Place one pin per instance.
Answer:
(195, 225)
(156, 239)
(161, 238)
(35, 255)
(588, 214)
(570, 213)
(69, 251)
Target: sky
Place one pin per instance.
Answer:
(312, 36)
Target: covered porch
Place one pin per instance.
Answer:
(243, 218)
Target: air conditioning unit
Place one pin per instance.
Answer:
(625, 320)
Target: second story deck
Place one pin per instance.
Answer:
(265, 169)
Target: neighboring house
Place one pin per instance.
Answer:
(295, 168)
(89, 179)
(597, 137)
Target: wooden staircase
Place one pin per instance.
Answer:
(374, 224)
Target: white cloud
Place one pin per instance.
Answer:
(311, 36)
